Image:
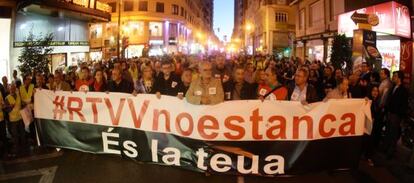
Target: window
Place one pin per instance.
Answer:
(96, 31)
(173, 30)
(301, 19)
(316, 16)
(155, 29)
(281, 17)
(175, 9)
(160, 7)
(128, 5)
(113, 6)
(143, 6)
(182, 11)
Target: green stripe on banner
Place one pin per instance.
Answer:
(269, 158)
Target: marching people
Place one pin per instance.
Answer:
(184, 85)
(6, 86)
(212, 80)
(372, 141)
(59, 84)
(249, 74)
(385, 86)
(221, 70)
(119, 84)
(302, 91)
(397, 109)
(84, 81)
(273, 89)
(13, 105)
(3, 130)
(205, 90)
(27, 91)
(167, 82)
(340, 91)
(40, 82)
(99, 83)
(50, 82)
(238, 88)
(134, 71)
(146, 83)
(329, 81)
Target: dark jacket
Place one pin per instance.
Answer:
(182, 88)
(311, 94)
(167, 87)
(248, 91)
(123, 87)
(358, 91)
(3, 91)
(398, 101)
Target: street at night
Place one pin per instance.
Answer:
(242, 91)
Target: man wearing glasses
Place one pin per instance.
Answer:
(167, 83)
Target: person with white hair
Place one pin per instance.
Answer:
(205, 90)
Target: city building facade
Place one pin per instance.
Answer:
(162, 26)
(270, 27)
(317, 24)
(238, 36)
(67, 21)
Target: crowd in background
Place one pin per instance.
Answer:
(212, 80)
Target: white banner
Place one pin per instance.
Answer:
(251, 120)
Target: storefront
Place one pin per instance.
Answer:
(95, 54)
(5, 24)
(393, 28)
(314, 49)
(134, 51)
(70, 42)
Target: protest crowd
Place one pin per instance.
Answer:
(209, 81)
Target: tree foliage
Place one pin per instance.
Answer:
(341, 54)
(35, 54)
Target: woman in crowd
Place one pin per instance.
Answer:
(146, 83)
(260, 77)
(50, 82)
(340, 91)
(371, 141)
(249, 73)
(134, 71)
(99, 83)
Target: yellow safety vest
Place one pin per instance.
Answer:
(1, 109)
(26, 95)
(14, 114)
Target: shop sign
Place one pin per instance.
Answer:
(393, 19)
(103, 7)
(365, 18)
(172, 41)
(84, 3)
(95, 49)
(406, 60)
(53, 43)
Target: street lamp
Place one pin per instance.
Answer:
(199, 35)
(118, 51)
(250, 35)
(249, 27)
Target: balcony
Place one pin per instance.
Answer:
(88, 10)
(275, 2)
